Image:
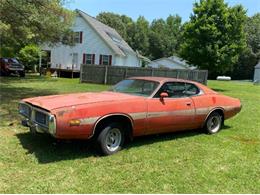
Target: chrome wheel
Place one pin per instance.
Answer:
(113, 139)
(214, 123)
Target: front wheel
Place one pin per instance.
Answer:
(213, 123)
(111, 139)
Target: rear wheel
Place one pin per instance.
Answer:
(111, 139)
(214, 123)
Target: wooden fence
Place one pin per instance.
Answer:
(112, 74)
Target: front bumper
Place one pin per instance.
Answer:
(30, 120)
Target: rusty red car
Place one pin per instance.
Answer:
(134, 107)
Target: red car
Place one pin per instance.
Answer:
(134, 107)
(11, 65)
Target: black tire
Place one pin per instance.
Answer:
(22, 74)
(213, 123)
(111, 139)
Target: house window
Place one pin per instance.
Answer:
(88, 58)
(76, 37)
(73, 38)
(105, 59)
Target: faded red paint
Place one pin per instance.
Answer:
(148, 115)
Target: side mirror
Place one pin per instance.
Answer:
(164, 95)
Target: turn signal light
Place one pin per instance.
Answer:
(74, 122)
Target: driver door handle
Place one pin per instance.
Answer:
(188, 103)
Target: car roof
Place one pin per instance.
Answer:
(162, 79)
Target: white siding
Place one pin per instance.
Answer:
(92, 43)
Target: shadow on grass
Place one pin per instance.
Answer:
(10, 96)
(47, 149)
(26, 79)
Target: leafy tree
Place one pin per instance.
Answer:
(114, 21)
(214, 37)
(29, 56)
(173, 33)
(26, 22)
(157, 39)
(244, 69)
(141, 38)
(164, 37)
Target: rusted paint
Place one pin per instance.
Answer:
(148, 115)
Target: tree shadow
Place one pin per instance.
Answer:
(10, 96)
(48, 149)
(26, 79)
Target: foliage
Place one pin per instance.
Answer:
(214, 37)
(244, 69)
(141, 39)
(164, 37)
(186, 162)
(29, 56)
(25, 22)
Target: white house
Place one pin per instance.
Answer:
(172, 62)
(95, 43)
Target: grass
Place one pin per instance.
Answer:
(187, 162)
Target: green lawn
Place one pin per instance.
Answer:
(191, 162)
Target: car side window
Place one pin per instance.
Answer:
(173, 89)
(178, 90)
(191, 89)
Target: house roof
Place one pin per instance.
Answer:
(108, 34)
(175, 59)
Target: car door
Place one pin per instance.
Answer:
(174, 113)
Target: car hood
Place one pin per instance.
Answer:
(66, 100)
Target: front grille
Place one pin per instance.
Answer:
(16, 66)
(41, 118)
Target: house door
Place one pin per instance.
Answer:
(75, 61)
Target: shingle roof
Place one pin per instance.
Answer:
(108, 34)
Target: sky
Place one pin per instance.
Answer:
(151, 9)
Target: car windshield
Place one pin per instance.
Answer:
(13, 60)
(136, 87)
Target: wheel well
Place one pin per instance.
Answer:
(220, 111)
(123, 120)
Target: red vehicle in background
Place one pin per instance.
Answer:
(11, 65)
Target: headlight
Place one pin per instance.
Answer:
(25, 110)
(52, 124)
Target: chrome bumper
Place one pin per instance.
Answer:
(35, 127)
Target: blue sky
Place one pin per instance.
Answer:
(151, 9)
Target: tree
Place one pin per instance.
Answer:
(164, 37)
(113, 20)
(157, 39)
(173, 32)
(25, 22)
(244, 69)
(214, 37)
(141, 39)
(29, 56)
